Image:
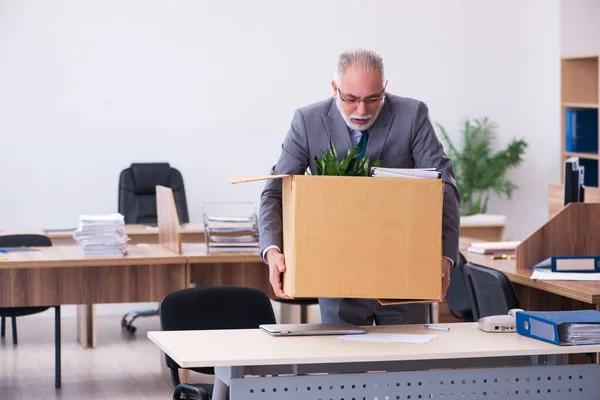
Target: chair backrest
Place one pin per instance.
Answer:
(25, 240)
(457, 296)
(137, 192)
(216, 307)
(490, 291)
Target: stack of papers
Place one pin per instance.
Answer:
(231, 231)
(482, 219)
(544, 274)
(492, 247)
(102, 235)
(579, 334)
(419, 173)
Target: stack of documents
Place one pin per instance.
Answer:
(419, 173)
(565, 328)
(493, 247)
(102, 235)
(231, 231)
(567, 268)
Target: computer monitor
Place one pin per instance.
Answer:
(574, 189)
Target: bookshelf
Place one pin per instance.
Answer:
(580, 130)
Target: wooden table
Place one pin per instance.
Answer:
(138, 233)
(541, 295)
(327, 367)
(217, 267)
(59, 275)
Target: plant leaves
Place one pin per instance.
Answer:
(478, 168)
(351, 165)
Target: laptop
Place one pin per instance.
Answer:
(311, 329)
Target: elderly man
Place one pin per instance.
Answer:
(395, 130)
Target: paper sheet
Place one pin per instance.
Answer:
(565, 276)
(388, 338)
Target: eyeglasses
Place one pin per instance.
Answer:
(347, 98)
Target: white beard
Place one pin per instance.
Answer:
(348, 119)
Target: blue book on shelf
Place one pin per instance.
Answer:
(581, 130)
(563, 328)
(570, 264)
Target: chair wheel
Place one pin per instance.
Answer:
(131, 329)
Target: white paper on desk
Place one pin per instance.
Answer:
(564, 276)
(388, 338)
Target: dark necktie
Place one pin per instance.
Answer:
(362, 144)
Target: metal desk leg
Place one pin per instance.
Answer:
(57, 361)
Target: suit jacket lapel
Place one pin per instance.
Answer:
(379, 132)
(337, 130)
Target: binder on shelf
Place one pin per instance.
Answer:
(581, 130)
(563, 328)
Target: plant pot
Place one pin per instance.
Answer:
(476, 204)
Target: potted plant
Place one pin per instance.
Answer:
(478, 168)
(351, 165)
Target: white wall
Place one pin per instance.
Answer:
(89, 87)
(579, 27)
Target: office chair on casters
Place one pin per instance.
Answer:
(216, 307)
(490, 291)
(137, 203)
(457, 296)
(7, 241)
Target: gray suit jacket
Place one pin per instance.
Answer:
(402, 137)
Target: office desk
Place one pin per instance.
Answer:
(60, 275)
(582, 291)
(232, 267)
(453, 365)
(138, 233)
(541, 295)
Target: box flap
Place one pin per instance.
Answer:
(233, 179)
(391, 302)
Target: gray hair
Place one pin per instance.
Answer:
(366, 59)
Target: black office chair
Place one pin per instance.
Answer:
(137, 192)
(457, 296)
(490, 291)
(137, 204)
(8, 241)
(216, 307)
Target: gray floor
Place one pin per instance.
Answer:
(121, 367)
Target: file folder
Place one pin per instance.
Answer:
(563, 328)
(570, 264)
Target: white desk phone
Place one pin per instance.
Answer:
(500, 323)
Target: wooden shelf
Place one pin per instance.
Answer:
(580, 90)
(580, 105)
(580, 56)
(589, 156)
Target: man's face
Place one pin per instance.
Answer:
(359, 97)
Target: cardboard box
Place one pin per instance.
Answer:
(361, 237)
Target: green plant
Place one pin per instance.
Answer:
(351, 165)
(478, 169)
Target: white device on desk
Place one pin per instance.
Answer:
(499, 323)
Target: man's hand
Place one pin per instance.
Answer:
(446, 268)
(276, 267)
